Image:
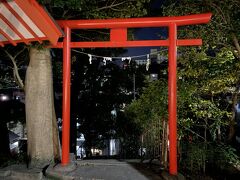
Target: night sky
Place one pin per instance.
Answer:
(148, 33)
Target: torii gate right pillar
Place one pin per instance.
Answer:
(172, 97)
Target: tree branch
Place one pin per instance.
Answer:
(111, 6)
(219, 10)
(84, 37)
(118, 10)
(15, 68)
(19, 52)
(193, 132)
(236, 44)
(100, 32)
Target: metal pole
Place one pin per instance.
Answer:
(172, 98)
(134, 86)
(66, 95)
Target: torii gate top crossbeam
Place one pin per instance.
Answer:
(118, 30)
(135, 22)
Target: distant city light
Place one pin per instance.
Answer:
(15, 144)
(153, 77)
(4, 98)
(114, 112)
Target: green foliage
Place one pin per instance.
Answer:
(85, 9)
(224, 22)
(194, 157)
(197, 158)
(215, 69)
(151, 106)
(208, 75)
(148, 112)
(208, 82)
(228, 154)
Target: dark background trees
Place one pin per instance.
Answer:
(208, 80)
(96, 89)
(208, 88)
(65, 10)
(12, 112)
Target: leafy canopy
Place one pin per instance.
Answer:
(95, 9)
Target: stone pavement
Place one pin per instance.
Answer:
(103, 170)
(21, 172)
(107, 169)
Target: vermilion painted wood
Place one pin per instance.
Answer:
(144, 43)
(172, 98)
(118, 35)
(39, 18)
(14, 29)
(116, 27)
(189, 42)
(48, 18)
(66, 96)
(135, 22)
(8, 37)
(30, 40)
(21, 21)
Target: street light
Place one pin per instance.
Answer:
(4, 97)
(114, 113)
(153, 77)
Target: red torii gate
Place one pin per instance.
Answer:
(118, 38)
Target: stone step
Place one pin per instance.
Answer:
(31, 175)
(18, 172)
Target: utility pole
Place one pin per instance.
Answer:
(134, 87)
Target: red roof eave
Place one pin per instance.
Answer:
(41, 19)
(36, 13)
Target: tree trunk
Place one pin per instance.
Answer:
(42, 132)
(232, 123)
(164, 143)
(236, 44)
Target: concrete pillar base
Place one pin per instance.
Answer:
(166, 176)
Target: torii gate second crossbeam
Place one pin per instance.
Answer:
(118, 38)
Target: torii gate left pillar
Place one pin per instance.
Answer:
(118, 38)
